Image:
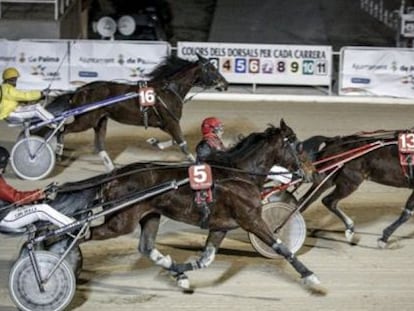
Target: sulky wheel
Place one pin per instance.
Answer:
(32, 158)
(74, 257)
(292, 234)
(283, 196)
(42, 133)
(58, 291)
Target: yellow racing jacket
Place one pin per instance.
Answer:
(11, 97)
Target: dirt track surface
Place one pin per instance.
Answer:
(362, 277)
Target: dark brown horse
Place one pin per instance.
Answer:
(381, 165)
(238, 176)
(171, 81)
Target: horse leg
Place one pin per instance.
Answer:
(176, 133)
(100, 134)
(345, 185)
(213, 242)
(59, 146)
(149, 229)
(405, 215)
(261, 230)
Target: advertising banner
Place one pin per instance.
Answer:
(265, 63)
(41, 64)
(377, 71)
(114, 61)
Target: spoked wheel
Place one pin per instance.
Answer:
(74, 259)
(292, 234)
(42, 133)
(57, 292)
(32, 158)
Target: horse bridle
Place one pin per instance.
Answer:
(292, 145)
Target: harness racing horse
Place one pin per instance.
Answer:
(171, 81)
(350, 160)
(238, 176)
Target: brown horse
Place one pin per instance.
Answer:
(171, 81)
(380, 165)
(238, 176)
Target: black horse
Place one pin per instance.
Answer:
(171, 81)
(381, 165)
(238, 176)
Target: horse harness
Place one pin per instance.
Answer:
(147, 100)
(404, 139)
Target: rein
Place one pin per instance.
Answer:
(70, 188)
(353, 154)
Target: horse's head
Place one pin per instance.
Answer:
(291, 155)
(259, 151)
(210, 75)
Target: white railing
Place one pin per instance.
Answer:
(59, 5)
(377, 9)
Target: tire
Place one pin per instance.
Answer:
(74, 258)
(42, 133)
(32, 158)
(58, 290)
(292, 234)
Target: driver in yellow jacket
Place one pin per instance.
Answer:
(11, 99)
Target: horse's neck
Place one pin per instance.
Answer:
(179, 89)
(182, 83)
(258, 163)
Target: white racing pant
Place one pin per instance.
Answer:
(29, 214)
(32, 111)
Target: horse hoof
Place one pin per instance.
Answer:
(349, 235)
(183, 282)
(381, 243)
(312, 283)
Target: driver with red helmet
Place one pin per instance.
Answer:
(212, 130)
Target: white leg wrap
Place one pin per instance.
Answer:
(107, 160)
(207, 258)
(311, 280)
(183, 282)
(160, 260)
(165, 144)
(349, 234)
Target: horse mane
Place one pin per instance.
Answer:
(243, 148)
(168, 67)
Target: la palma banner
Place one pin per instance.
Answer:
(62, 64)
(265, 63)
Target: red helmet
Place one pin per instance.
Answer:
(211, 124)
